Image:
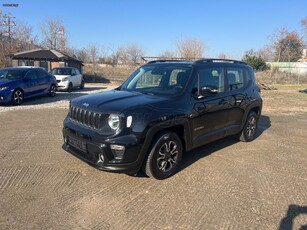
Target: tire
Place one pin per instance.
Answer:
(82, 84)
(164, 157)
(250, 128)
(17, 97)
(69, 89)
(52, 90)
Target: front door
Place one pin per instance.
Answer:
(209, 115)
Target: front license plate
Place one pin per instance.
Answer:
(77, 144)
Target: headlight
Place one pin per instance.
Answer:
(113, 121)
(65, 79)
(4, 88)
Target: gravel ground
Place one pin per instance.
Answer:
(223, 185)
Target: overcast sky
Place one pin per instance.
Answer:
(230, 27)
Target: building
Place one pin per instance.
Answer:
(45, 58)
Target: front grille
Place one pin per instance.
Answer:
(87, 118)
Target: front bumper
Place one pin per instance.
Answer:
(63, 85)
(99, 153)
(5, 96)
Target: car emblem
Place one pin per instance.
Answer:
(86, 104)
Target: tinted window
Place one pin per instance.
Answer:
(235, 78)
(158, 79)
(61, 71)
(210, 77)
(32, 74)
(41, 74)
(12, 74)
(77, 71)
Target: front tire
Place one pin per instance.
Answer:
(250, 128)
(164, 157)
(17, 97)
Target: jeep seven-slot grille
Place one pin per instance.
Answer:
(88, 118)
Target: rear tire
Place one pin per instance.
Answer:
(82, 84)
(250, 128)
(52, 91)
(164, 157)
(17, 97)
(69, 89)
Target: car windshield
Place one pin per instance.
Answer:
(12, 74)
(158, 79)
(61, 71)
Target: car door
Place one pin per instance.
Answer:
(31, 87)
(78, 77)
(43, 81)
(237, 80)
(209, 114)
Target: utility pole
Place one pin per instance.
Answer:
(9, 23)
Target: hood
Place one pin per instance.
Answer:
(60, 77)
(116, 101)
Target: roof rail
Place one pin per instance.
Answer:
(219, 60)
(168, 60)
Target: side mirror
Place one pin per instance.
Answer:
(208, 91)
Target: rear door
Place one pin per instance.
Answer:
(31, 86)
(237, 81)
(43, 81)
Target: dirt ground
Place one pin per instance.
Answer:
(223, 185)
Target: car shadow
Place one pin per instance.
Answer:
(194, 155)
(60, 96)
(293, 211)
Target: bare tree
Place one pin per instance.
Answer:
(167, 54)
(23, 37)
(304, 25)
(221, 56)
(93, 53)
(134, 53)
(190, 48)
(53, 34)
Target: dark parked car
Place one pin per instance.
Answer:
(162, 110)
(19, 83)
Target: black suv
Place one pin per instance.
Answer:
(164, 108)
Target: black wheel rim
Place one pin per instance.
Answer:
(18, 97)
(52, 90)
(251, 126)
(167, 156)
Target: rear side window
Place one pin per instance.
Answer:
(32, 74)
(41, 74)
(235, 78)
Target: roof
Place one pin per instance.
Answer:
(44, 54)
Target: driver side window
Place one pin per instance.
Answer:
(210, 77)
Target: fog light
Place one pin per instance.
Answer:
(118, 151)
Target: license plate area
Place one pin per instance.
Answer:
(77, 144)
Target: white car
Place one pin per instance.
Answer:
(68, 78)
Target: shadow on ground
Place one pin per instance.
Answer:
(60, 95)
(193, 156)
(293, 211)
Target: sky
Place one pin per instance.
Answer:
(228, 27)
